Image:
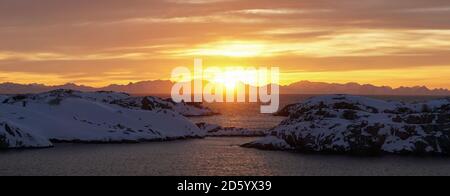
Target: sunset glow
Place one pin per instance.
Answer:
(323, 41)
(219, 88)
(228, 49)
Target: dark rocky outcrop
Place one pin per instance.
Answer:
(218, 131)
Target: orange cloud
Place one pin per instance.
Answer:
(363, 41)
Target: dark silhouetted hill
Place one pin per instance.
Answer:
(158, 87)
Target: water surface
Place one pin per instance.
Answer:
(210, 156)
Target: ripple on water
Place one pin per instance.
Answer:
(211, 156)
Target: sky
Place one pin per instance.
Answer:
(99, 42)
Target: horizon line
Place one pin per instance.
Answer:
(168, 80)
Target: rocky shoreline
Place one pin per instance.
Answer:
(219, 131)
(342, 124)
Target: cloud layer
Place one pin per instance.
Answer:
(55, 41)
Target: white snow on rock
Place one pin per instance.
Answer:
(12, 136)
(218, 131)
(270, 143)
(65, 115)
(150, 103)
(3, 97)
(361, 125)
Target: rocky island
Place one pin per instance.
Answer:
(343, 124)
(38, 120)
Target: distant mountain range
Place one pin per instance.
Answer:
(145, 87)
(159, 87)
(306, 87)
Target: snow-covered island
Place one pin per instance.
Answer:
(213, 130)
(37, 120)
(357, 125)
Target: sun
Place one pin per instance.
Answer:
(229, 49)
(233, 78)
(228, 79)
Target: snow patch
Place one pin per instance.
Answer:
(11, 136)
